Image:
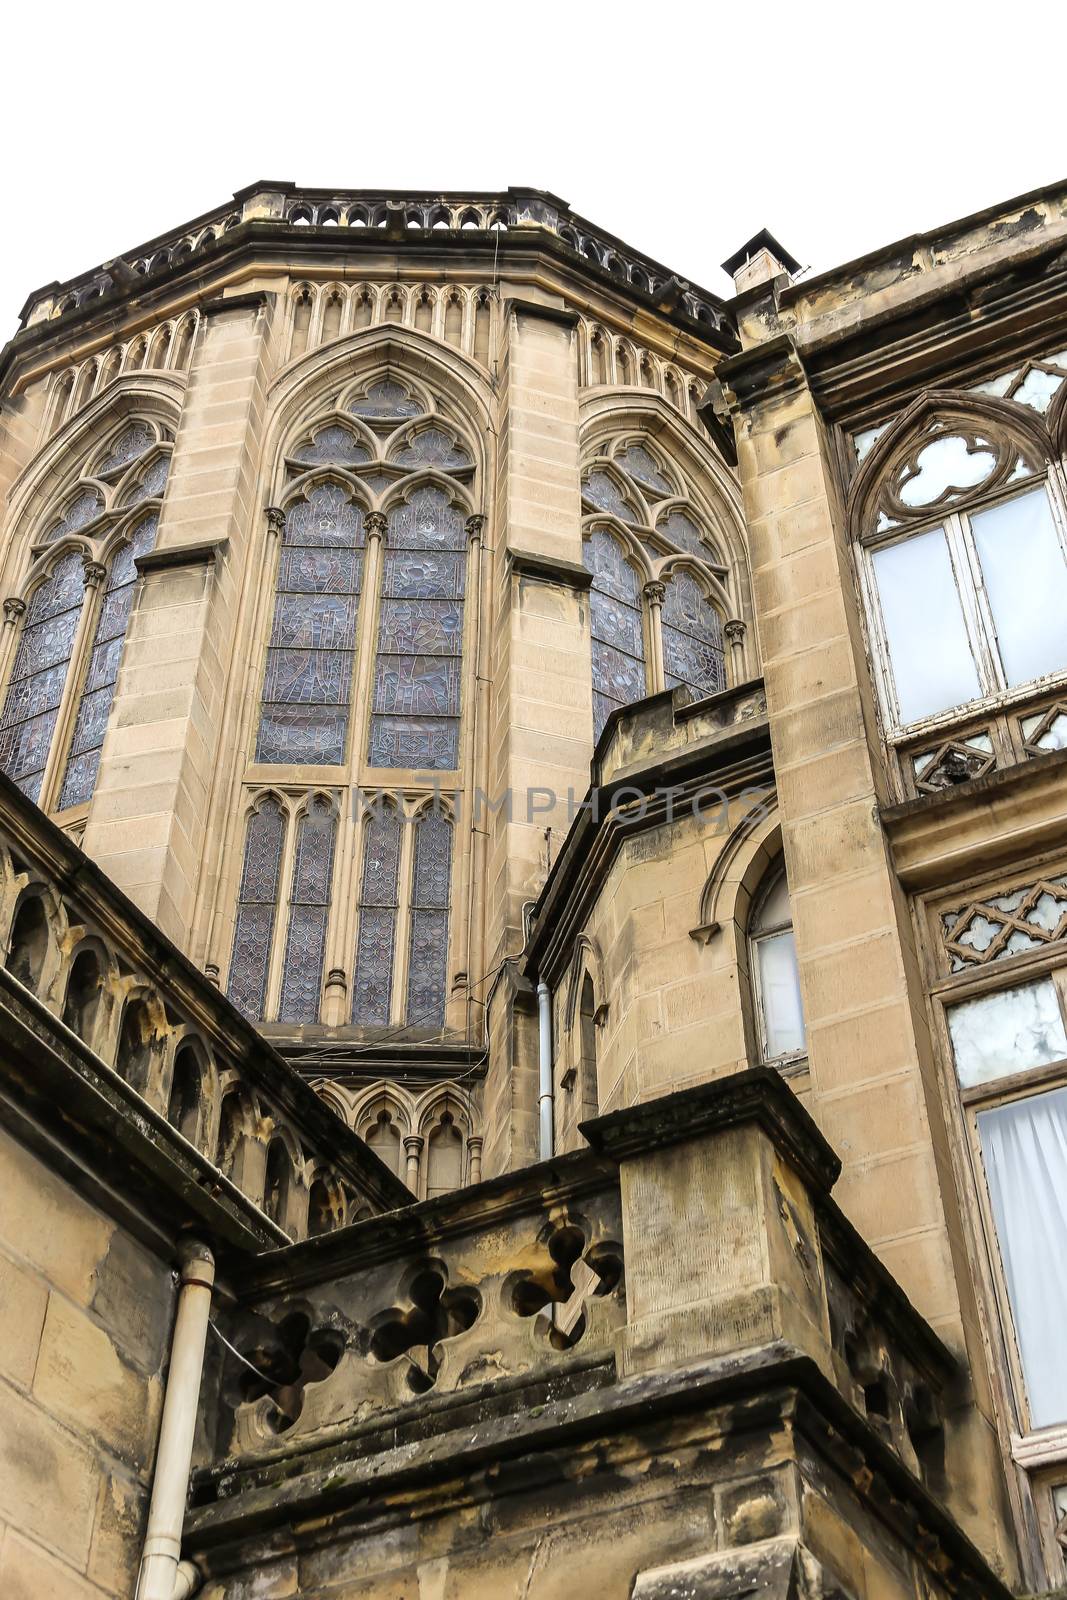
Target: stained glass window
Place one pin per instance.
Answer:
(309, 909)
(627, 483)
(40, 672)
(434, 448)
(333, 446)
(385, 400)
(307, 684)
(683, 532)
(601, 491)
(132, 442)
(78, 514)
(616, 626)
(372, 992)
(98, 688)
(640, 465)
(428, 939)
(256, 909)
(692, 638)
(416, 696)
(151, 484)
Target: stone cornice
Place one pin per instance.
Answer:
(549, 569)
(199, 552)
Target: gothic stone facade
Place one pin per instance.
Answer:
(533, 829)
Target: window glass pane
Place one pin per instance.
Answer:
(774, 910)
(1010, 1031)
(780, 992)
(932, 663)
(1026, 580)
(1024, 1146)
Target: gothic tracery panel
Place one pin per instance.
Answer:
(256, 909)
(307, 684)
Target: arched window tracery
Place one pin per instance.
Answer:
(656, 619)
(64, 674)
(364, 673)
(309, 909)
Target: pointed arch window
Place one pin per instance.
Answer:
(102, 671)
(692, 637)
(379, 908)
(428, 938)
(775, 973)
(309, 910)
(668, 631)
(257, 908)
(616, 625)
(965, 555)
(417, 671)
(39, 675)
(64, 674)
(308, 680)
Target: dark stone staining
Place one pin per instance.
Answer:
(435, 1313)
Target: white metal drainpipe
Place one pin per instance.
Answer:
(544, 1063)
(164, 1575)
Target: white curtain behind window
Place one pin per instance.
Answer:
(1025, 1150)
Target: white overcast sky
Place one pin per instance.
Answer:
(681, 127)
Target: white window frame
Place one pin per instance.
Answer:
(767, 886)
(974, 603)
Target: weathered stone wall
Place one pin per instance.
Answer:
(85, 1314)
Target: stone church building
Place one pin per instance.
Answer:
(533, 913)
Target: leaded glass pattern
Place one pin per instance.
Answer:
(692, 638)
(372, 991)
(635, 484)
(81, 511)
(98, 687)
(640, 465)
(384, 401)
(684, 534)
(151, 485)
(35, 691)
(309, 910)
(256, 909)
(428, 934)
(333, 446)
(307, 683)
(416, 693)
(433, 447)
(133, 441)
(604, 494)
(616, 627)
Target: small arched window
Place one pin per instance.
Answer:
(383, 1136)
(658, 597)
(81, 1006)
(231, 1132)
(325, 1208)
(775, 975)
(136, 1038)
(277, 1183)
(183, 1110)
(256, 909)
(588, 1083)
(444, 1157)
(28, 946)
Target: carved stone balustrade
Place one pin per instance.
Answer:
(679, 1320)
(114, 1039)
